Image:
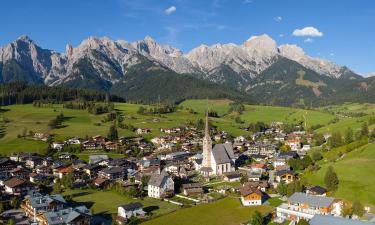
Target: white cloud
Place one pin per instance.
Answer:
(247, 1)
(332, 54)
(170, 10)
(278, 18)
(308, 40)
(308, 31)
(281, 35)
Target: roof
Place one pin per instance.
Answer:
(65, 216)
(282, 172)
(14, 182)
(192, 185)
(116, 169)
(38, 200)
(158, 180)
(223, 153)
(330, 220)
(317, 189)
(311, 200)
(247, 190)
(132, 206)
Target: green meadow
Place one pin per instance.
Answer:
(355, 171)
(226, 211)
(80, 123)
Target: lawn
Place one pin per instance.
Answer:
(355, 172)
(106, 202)
(228, 211)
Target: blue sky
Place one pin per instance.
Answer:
(341, 30)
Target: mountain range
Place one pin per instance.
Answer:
(144, 71)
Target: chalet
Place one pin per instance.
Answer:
(160, 185)
(61, 171)
(261, 185)
(293, 141)
(304, 206)
(109, 145)
(35, 202)
(92, 169)
(20, 172)
(100, 182)
(316, 190)
(251, 196)
(127, 211)
(287, 176)
(6, 164)
(92, 145)
(17, 186)
(258, 167)
(192, 189)
(74, 141)
(232, 176)
(113, 173)
(73, 216)
(254, 176)
(33, 161)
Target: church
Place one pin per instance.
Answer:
(216, 160)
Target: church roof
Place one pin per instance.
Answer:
(223, 153)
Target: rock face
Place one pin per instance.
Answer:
(108, 62)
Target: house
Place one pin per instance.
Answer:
(127, 211)
(143, 131)
(232, 176)
(92, 169)
(192, 189)
(334, 220)
(100, 182)
(258, 167)
(70, 216)
(35, 202)
(305, 206)
(6, 164)
(160, 185)
(63, 170)
(287, 176)
(253, 176)
(113, 173)
(261, 185)
(316, 190)
(17, 186)
(251, 196)
(58, 145)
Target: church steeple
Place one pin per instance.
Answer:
(207, 145)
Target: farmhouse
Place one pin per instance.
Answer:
(125, 212)
(251, 196)
(192, 189)
(160, 185)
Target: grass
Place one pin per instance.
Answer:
(80, 123)
(355, 172)
(106, 202)
(275, 202)
(227, 211)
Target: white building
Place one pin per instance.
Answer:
(160, 185)
(133, 209)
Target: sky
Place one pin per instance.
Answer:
(342, 31)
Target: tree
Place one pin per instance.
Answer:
(282, 188)
(302, 222)
(349, 135)
(2, 207)
(364, 130)
(57, 187)
(319, 139)
(67, 180)
(285, 148)
(293, 187)
(335, 140)
(331, 180)
(244, 178)
(256, 219)
(316, 156)
(358, 209)
(112, 133)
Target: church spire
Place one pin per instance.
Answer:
(206, 129)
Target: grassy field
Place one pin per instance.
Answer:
(106, 202)
(82, 124)
(228, 211)
(355, 172)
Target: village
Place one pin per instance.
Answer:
(184, 167)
